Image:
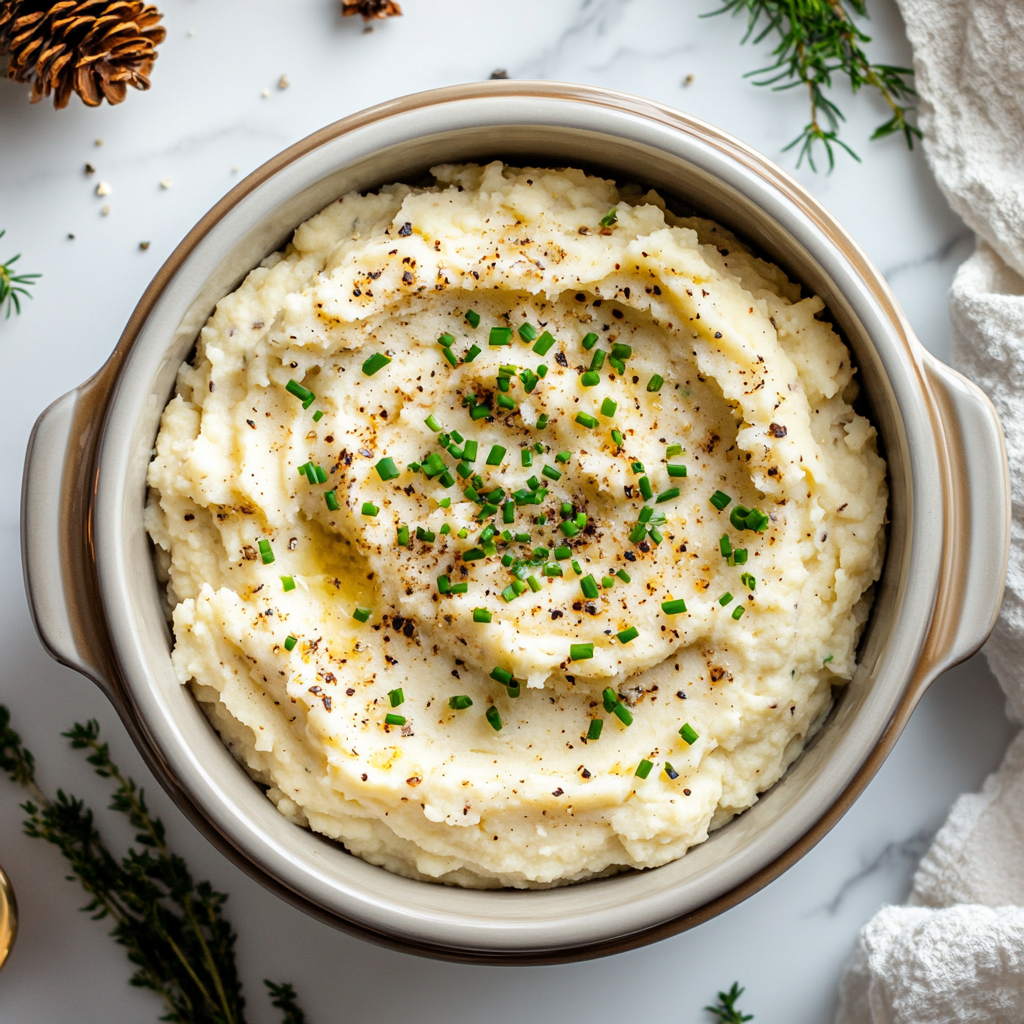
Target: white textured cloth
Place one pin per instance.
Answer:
(956, 954)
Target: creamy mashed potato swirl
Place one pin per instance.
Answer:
(516, 530)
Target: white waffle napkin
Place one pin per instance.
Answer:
(956, 953)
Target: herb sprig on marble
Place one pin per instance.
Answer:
(173, 928)
(819, 40)
(14, 287)
(726, 1011)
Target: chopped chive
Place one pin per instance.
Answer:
(594, 732)
(552, 569)
(586, 420)
(672, 492)
(509, 594)
(508, 512)
(589, 341)
(460, 703)
(628, 634)
(444, 584)
(757, 520)
(590, 379)
(469, 451)
(551, 473)
(621, 350)
(403, 536)
(414, 467)
(624, 576)
(564, 551)
(481, 615)
(608, 407)
(643, 769)
(638, 533)
(425, 535)
(580, 652)
(739, 556)
(504, 402)
(266, 554)
(527, 457)
(290, 642)
(519, 587)
(534, 583)
(589, 587)
(738, 612)
(617, 364)
(390, 719)
(738, 517)
(450, 356)
(500, 336)
(514, 690)
(362, 614)
(369, 509)
(655, 534)
(748, 581)
(376, 362)
(472, 318)
(607, 582)
(637, 467)
(288, 583)
(725, 545)
(542, 371)
(387, 470)
(569, 528)
(446, 340)
(672, 450)
(431, 422)
(576, 567)
(609, 218)
(563, 457)
(460, 588)
(654, 384)
(617, 438)
(676, 607)
(688, 734)
(610, 698)
(645, 488)
(501, 675)
(566, 510)
(725, 599)
(645, 515)
(581, 519)
(522, 538)
(472, 353)
(396, 697)
(675, 470)
(497, 453)
(597, 360)
(318, 415)
(302, 394)
(542, 420)
(463, 533)
(670, 771)
(527, 332)
(331, 498)
(494, 717)
(464, 469)
(621, 712)
(544, 343)
(479, 412)
(720, 500)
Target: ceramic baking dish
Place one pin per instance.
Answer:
(99, 608)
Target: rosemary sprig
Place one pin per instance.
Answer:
(726, 1010)
(172, 927)
(13, 286)
(818, 39)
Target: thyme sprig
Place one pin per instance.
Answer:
(817, 40)
(14, 286)
(172, 927)
(726, 1009)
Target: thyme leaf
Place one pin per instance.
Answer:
(818, 39)
(14, 286)
(172, 927)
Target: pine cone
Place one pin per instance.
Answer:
(370, 9)
(95, 47)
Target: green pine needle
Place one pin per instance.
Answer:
(726, 1011)
(172, 927)
(816, 40)
(14, 286)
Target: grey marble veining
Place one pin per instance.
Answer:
(203, 125)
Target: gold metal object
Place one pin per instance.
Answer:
(8, 917)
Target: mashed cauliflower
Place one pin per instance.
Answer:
(516, 530)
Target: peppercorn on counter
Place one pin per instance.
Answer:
(516, 530)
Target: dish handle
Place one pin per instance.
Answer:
(977, 533)
(56, 535)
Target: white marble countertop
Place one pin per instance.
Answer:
(205, 123)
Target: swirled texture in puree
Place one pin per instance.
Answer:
(755, 403)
